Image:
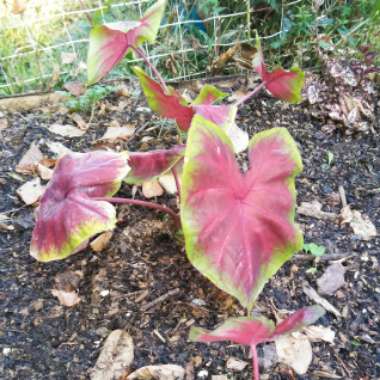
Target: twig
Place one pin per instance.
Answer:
(342, 195)
(160, 299)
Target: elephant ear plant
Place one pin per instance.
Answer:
(238, 227)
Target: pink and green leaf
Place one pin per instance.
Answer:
(69, 213)
(170, 105)
(241, 245)
(147, 166)
(110, 42)
(209, 94)
(283, 84)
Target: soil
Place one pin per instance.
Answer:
(41, 339)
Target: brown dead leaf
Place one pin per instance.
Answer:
(3, 123)
(319, 333)
(295, 351)
(360, 224)
(314, 210)
(44, 172)
(314, 296)
(31, 191)
(114, 134)
(115, 357)
(75, 88)
(101, 242)
(78, 119)
(332, 279)
(152, 189)
(167, 181)
(58, 148)
(66, 130)
(224, 58)
(30, 160)
(158, 372)
(68, 299)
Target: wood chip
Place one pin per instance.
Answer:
(235, 364)
(113, 134)
(314, 296)
(314, 210)
(152, 189)
(66, 130)
(68, 299)
(30, 160)
(115, 358)
(3, 123)
(158, 372)
(31, 191)
(167, 181)
(360, 224)
(319, 333)
(332, 279)
(44, 172)
(101, 242)
(58, 148)
(75, 88)
(78, 119)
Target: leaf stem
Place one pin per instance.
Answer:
(255, 363)
(250, 94)
(147, 204)
(142, 55)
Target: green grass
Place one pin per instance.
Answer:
(303, 31)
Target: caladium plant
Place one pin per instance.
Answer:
(111, 41)
(283, 84)
(172, 105)
(253, 331)
(239, 228)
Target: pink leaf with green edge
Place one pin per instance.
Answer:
(224, 116)
(251, 332)
(110, 42)
(239, 228)
(149, 165)
(69, 213)
(208, 95)
(170, 105)
(283, 84)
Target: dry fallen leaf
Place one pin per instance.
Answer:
(30, 160)
(115, 358)
(31, 191)
(78, 119)
(58, 148)
(75, 88)
(68, 299)
(167, 181)
(118, 133)
(66, 130)
(152, 189)
(314, 296)
(295, 351)
(3, 123)
(101, 242)
(332, 279)
(44, 172)
(158, 372)
(235, 364)
(360, 224)
(319, 333)
(314, 209)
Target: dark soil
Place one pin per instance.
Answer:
(41, 339)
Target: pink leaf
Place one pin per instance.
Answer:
(68, 214)
(283, 84)
(170, 105)
(149, 165)
(110, 42)
(239, 228)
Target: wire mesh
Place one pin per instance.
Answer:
(45, 45)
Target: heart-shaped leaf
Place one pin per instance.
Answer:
(251, 332)
(239, 228)
(147, 166)
(283, 84)
(69, 213)
(110, 42)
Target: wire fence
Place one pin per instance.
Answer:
(43, 43)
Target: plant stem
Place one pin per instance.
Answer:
(250, 94)
(255, 363)
(138, 202)
(142, 55)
